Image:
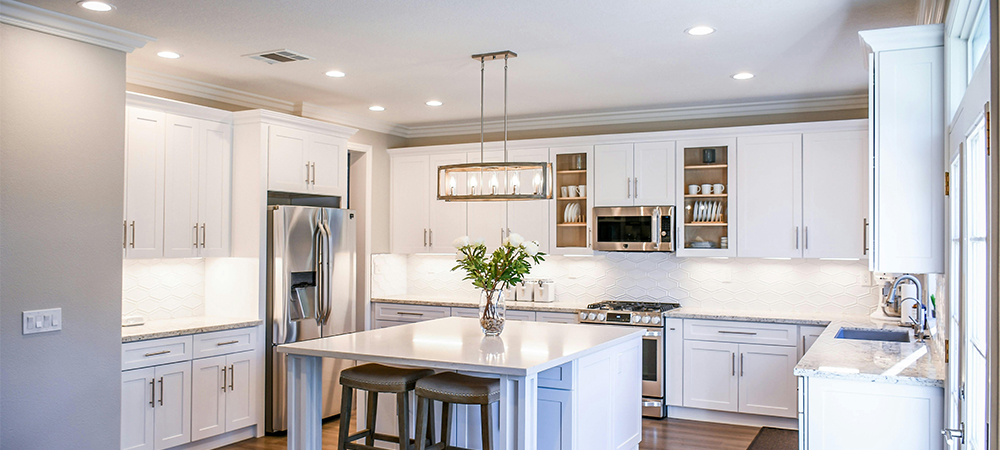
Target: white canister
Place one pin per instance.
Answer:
(544, 291)
(522, 291)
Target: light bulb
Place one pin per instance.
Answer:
(472, 185)
(514, 183)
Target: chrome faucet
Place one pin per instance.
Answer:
(920, 324)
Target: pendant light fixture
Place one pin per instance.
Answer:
(494, 181)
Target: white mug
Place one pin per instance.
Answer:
(564, 190)
(706, 189)
(693, 189)
(582, 190)
(573, 191)
(718, 188)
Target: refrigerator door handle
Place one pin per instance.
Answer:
(320, 238)
(326, 295)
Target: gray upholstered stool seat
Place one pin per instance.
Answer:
(453, 388)
(376, 378)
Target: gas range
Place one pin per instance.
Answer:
(626, 313)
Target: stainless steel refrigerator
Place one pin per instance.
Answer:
(311, 265)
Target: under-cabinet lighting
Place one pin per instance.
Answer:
(434, 254)
(577, 256)
(779, 259)
(840, 259)
(718, 257)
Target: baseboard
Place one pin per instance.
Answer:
(221, 440)
(753, 420)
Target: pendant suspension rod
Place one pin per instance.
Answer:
(482, 110)
(505, 57)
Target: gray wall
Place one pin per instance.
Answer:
(62, 128)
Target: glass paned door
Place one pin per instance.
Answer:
(953, 396)
(975, 279)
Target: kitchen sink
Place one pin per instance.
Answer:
(874, 335)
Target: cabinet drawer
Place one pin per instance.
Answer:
(559, 377)
(409, 313)
(556, 317)
(742, 332)
(224, 342)
(155, 352)
(526, 316)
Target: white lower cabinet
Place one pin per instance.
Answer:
(222, 388)
(767, 384)
(554, 419)
(172, 406)
(710, 380)
(809, 335)
(556, 317)
(138, 389)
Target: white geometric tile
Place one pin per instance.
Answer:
(163, 288)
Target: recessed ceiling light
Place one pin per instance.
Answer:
(700, 30)
(335, 74)
(434, 103)
(743, 76)
(168, 55)
(376, 108)
(96, 6)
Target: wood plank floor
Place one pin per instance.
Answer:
(666, 434)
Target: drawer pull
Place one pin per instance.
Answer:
(227, 343)
(407, 313)
(161, 352)
(742, 333)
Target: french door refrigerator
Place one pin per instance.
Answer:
(310, 294)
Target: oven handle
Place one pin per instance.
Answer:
(652, 334)
(652, 404)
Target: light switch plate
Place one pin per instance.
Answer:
(41, 320)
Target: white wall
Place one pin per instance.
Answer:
(62, 128)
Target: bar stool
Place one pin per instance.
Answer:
(453, 388)
(376, 378)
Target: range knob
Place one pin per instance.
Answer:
(656, 320)
(591, 316)
(583, 316)
(600, 316)
(635, 319)
(645, 319)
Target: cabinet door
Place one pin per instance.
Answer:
(144, 150)
(710, 380)
(215, 188)
(654, 171)
(767, 384)
(329, 154)
(529, 218)
(180, 189)
(137, 409)
(834, 194)
(673, 343)
(908, 222)
(172, 411)
(572, 166)
(555, 420)
(287, 163)
(487, 220)
(448, 220)
(410, 201)
(613, 183)
(809, 336)
(208, 397)
(770, 202)
(241, 406)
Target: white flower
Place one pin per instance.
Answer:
(515, 240)
(531, 248)
(461, 242)
(479, 241)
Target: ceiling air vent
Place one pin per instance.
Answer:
(278, 56)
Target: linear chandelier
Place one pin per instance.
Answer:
(494, 181)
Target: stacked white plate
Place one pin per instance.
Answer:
(572, 213)
(708, 212)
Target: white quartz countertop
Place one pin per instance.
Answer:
(155, 329)
(570, 307)
(457, 343)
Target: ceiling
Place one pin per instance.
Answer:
(573, 55)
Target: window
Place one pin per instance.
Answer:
(976, 279)
(979, 38)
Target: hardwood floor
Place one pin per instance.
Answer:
(666, 434)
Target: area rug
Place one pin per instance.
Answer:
(775, 439)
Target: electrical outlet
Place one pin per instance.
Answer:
(866, 279)
(41, 321)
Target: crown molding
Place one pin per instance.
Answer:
(646, 115)
(186, 86)
(917, 36)
(177, 108)
(62, 25)
(314, 111)
(259, 116)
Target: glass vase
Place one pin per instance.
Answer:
(492, 312)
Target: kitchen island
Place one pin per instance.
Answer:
(528, 357)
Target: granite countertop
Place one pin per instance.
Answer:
(155, 329)
(568, 307)
(789, 317)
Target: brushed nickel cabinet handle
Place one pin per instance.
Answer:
(406, 313)
(161, 352)
(734, 363)
(796, 238)
(307, 172)
(313, 164)
(431, 239)
(223, 378)
(425, 237)
(805, 237)
(628, 189)
(152, 393)
(741, 364)
(635, 182)
(196, 235)
(133, 234)
(227, 343)
(203, 235)
(864, 237)
(161, 391)
(232, 376)
(124, 234)
(744, 333)
(803, 345)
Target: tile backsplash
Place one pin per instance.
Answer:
(805, 285)
(163, 288)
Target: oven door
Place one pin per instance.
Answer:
(652, 363)
(633, 228)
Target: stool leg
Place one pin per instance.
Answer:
(370, 418)
(345, 416)
(446, 424)
(421, 437)
(487, 415)
(430, 422)
(402, 412)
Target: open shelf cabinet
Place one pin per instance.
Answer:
(571, 235)
(717, 227)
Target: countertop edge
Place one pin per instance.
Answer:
(862, 378)
(239, 323)
(563, 307)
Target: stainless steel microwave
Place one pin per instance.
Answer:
(634, 229)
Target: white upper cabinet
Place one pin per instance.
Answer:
(834, 194)
(410, 202)
(215, 188)
(634, 174)
(906, 117)
(144, 149)
(328, 156)
(288, 166)
(769, 170)
(448, 220)
(613, 175)
(487, 220)
(528, 218)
